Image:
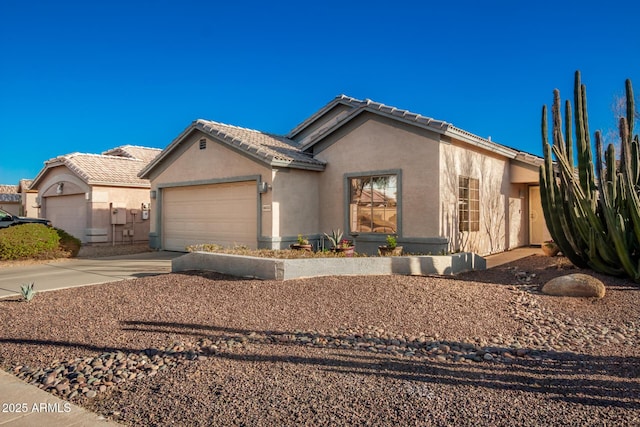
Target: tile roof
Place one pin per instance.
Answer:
(118, 168)
(24, 184)
(272, 148)
(8, 189)
(9, 193)
(145, 154)
(107, 170)
(359, 106)
(278, 150)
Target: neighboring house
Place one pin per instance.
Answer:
(19, 199)
(10, 199)
(28, 197)
(98, 198)
(360, 166)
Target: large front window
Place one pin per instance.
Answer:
(373, 206)
(468, 204)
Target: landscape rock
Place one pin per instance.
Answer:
(575, 285)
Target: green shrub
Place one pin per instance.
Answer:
(68, 243)
(28, 241)
(391, 242)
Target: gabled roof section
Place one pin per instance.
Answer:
(358, 107)
(271, 149)
(145, 154)
(24, 185)
(119, 170)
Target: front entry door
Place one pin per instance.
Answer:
(538, 232)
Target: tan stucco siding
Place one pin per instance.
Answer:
(30, 204)
(295, 203)
(524, 173)
(72, 184)
(371, 144)
(496, 196)
(188, 164)
(103, 200)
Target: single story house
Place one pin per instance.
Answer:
(359, 166)
(97, 198)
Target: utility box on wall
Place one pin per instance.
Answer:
(118, 214)
(145, 210)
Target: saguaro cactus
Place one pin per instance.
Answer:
(592, 210)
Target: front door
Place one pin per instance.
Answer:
(538, 232)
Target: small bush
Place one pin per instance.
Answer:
(27, 291)
(28, 241)
(69, 243)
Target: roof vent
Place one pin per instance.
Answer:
(203, 143)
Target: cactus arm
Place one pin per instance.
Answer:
(553, 212)
(631, 111)
(567, 131)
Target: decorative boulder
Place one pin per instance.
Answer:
(574, 285)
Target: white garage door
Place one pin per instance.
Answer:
(68, 213)
(225, 214)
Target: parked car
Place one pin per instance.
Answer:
(8, 220)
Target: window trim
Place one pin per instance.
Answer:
(347, 199)
(469, 223)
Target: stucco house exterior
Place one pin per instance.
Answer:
(28, 198)
(98, 198)
(10, 199)
(360, 166)
(19, 199)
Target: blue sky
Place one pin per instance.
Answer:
(88, 76)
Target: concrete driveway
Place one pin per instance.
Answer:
(80, 272)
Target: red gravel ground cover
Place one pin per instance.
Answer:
(482, 348)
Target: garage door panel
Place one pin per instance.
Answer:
(225, 214)
(68, 213)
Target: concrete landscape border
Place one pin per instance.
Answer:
(287, 269)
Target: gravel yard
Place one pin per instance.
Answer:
(204, 349)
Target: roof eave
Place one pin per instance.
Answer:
(49, 164)
(119, 184)
(440, 129)
(246, 149)
(479, 142)
(529, 158)
(294, 164)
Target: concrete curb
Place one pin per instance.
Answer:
(287, 269)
